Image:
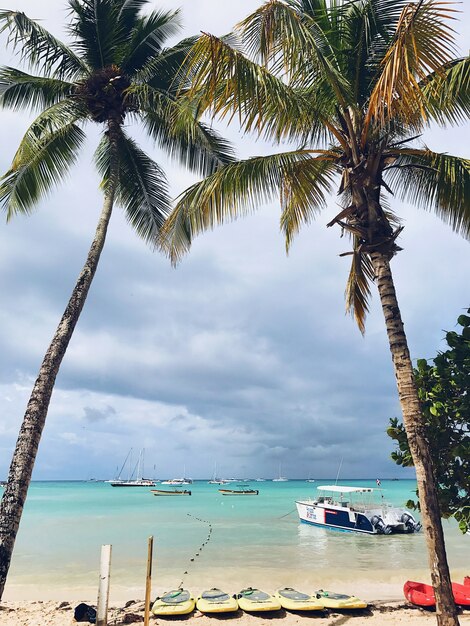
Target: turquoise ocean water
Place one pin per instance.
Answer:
(238, 541)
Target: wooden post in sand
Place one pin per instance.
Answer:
(148, 581)
(103, 588)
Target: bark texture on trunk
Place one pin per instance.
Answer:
(446, 611)
(24, 456)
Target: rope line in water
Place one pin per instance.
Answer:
(204, 543)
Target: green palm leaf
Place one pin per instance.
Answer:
(229, 84)
(39, 48)
(43, 159)
(447, 93)
(142, 188)
(357, 293)
(19, 90)
(97, 30)
(303, 191)
(148, 36)
(233, 191)
(436, 182)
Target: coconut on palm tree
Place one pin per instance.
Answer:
(115, 71)
(353, 83)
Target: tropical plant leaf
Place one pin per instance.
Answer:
(447, 93)
(436, 182)
(142, 188)
(228, 84)
(19, 90)
(39, 48)
(231, 192)
(43, 159)
(303, 191)
(357, 293)
(423, 45)
(148, 36)
(98, 32)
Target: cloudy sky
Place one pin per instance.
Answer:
(241, 356)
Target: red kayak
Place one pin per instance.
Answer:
(423, 595)
(462, 592)
(419, 593)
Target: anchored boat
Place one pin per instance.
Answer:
(170, 492)
(241, 491)
(355, 509)
(139, 481)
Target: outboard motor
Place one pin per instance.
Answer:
(378, 523)
(410, 523)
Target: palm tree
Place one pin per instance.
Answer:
(115, 70)
(353, 83)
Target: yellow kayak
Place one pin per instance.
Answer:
(254, 600)
(216, 601)
(175, 602)
(331, 600)
(294, 600)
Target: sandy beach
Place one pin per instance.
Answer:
(380, 612)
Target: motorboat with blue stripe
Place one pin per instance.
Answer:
(355, 509)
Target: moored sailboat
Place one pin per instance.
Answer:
(139, 481)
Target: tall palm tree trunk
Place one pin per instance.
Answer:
(412, 417)
(22, 463)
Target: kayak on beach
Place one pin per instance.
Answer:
(294, 600)
(175, 602)
(254, 601)
(216, 601)
(421, 594)
(332, 600)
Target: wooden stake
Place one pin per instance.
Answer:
(148, 581)
(103, 588)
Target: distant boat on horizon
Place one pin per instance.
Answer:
(139, 481)
(280, 478)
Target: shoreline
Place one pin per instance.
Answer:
(387, 613)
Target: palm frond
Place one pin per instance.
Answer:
(142, 188)
(365, 30)
(447, 93)
(194, 144)
(436, 182)
(231, 192)
(97, 31)
(295, 45)
(303, 191)
(358, 287)
(43, 159)
(19, 90)
(39, 48)
(423, 44)
(229, 84)
(148, 36)
(165, 71)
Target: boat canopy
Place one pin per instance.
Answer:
(339, 489)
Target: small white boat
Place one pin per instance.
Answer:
(280, 478)
(355, 509)
(177, 481)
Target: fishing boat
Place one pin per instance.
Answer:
(241, 491)
(170, 492)
(355, 509)
(137, 471)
